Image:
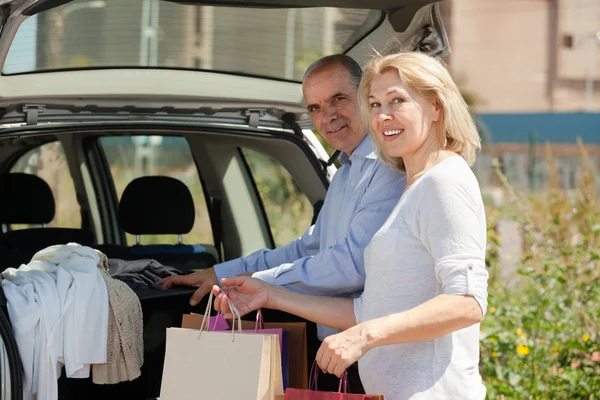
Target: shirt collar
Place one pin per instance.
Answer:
(364, 150)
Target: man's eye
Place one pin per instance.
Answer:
(311, 109)
(338, 98)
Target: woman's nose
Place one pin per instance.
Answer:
(384, 114)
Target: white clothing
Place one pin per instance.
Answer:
(433, 242)
(58, 307)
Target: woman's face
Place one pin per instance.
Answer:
(400, 118)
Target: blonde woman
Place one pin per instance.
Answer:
(415, 329)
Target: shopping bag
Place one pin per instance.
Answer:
(296, 347)
(194, 321)
(218, 323)
(297, 376)
(221, 365)
(297, 351)
(314, 394)
(283, 341)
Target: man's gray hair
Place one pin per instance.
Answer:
(347, 62)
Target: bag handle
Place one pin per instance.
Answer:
(206, 318)
(314, 375)
(259, 321)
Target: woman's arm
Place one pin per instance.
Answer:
(435, 318)
(335, 312)
(249, 294)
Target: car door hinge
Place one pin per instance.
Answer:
(32, 112)
(254, 115)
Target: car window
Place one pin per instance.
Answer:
(288, 210)
(49, 163)
(131, 157)
(278, 43)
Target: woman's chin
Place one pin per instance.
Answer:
(393, 152)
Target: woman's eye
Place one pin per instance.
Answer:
(398, 100)
(373, 105)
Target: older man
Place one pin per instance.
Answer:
(328, 258)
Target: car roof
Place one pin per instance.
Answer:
(252, 63)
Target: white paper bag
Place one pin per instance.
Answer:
(225, 365)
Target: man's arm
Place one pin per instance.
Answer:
(340, 268)
(306, 245)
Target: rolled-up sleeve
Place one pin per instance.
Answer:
(468, 276)
(453, 229)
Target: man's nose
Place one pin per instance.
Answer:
(330, 114)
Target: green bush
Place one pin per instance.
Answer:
(540, 338)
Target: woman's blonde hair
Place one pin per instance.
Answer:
(429, 77)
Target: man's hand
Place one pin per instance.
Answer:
(246, 294)
(204, 280)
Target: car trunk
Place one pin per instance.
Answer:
(74, 70)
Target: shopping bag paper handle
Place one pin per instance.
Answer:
(314, 376)
(236, 317)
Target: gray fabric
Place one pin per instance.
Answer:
(139, 273)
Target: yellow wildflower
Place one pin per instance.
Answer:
(492, 309)
(522, 349)
(586, 337)
(494, 354)
(519, 331)
(542, 340)
(558, 323)
(523, 336)
(493, 340)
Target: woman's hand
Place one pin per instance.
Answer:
(247, 294)
(340, 351)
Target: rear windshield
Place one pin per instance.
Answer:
(275, 43)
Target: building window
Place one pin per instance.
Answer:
(198, 20)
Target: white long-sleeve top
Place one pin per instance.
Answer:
(58, 307)
(433, 243)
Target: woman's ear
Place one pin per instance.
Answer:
(437, 110)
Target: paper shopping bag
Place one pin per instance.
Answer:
(297, 351)
(193, 321)
(314, 394)
(296, 347)
(301, 394)
(221, 365)
(218, 323)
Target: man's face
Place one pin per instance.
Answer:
(332, 103)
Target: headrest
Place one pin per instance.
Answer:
(41, 238)
(156, 205)
(25, 199)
